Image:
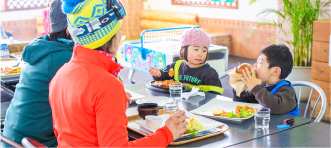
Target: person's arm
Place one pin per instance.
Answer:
(111, 120)
(165, 73)
(282, 102)
(245, 96)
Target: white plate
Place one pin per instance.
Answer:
(208, 123)
(218, 104)
(158, 100)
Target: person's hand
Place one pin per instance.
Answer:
(250, 79)
(154, 71)
(129, 96)
(176, 124)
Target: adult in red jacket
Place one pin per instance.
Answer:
(88, 102)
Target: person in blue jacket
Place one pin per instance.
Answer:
(269, 87)
(29, 114)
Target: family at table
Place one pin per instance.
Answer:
(70, 94)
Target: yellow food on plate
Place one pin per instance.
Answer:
(246, 108)
(10, 70)
(220, 113)
(164, 83)
(194, 125)
(240, 112)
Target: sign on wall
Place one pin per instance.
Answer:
(231, 4)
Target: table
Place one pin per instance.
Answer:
(237, 133)
(315, 134)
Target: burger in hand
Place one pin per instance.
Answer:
(242, 67)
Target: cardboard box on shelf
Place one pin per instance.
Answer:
(18, 47)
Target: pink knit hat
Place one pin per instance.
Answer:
(196, 36)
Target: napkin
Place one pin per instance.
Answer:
(194, 92)
(135, 96)
(236, 83)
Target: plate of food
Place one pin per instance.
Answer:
(210, 126)
(10, 70)
(227, 110)
(195, 124)
(162, 86)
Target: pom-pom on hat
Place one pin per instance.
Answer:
(196, 36)
(90, 23)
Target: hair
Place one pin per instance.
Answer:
(183, 53)
(106, 45)
(279, 56)
(61, 34)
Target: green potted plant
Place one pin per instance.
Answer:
(299, 15)
(295, 25)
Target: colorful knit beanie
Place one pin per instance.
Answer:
(57, 18)
(90, 23)
(196, 36)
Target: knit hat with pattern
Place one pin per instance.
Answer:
(196, 36)
(57, 18)
(81, 12)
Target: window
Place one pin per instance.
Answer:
(10, 5)
(232, 4)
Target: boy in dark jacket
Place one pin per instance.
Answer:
(269, 87)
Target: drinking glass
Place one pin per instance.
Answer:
(169, 106)
(262, 118)
(174, 102)
(176, 90)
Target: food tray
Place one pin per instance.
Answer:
(160, 88)
(132, 125)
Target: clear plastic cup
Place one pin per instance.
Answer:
(262, 118)
(174, 102)
(169, 106)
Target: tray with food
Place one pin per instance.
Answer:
(162, 86)
(10, 70)
(227, 110)
(198, 127)
(10, 67)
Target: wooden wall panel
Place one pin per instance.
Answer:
(321, 30)
(320, 51)
(325, 86)
(247, 40)
(320, 71)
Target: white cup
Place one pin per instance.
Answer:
(154, 122)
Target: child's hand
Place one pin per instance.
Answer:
(154, 71)
(250, 79)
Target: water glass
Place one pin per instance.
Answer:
(262, 118)
(174, 102)
(176, 90)
(169, 106)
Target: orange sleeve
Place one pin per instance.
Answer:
(111, 120)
